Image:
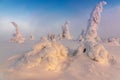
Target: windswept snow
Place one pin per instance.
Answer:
(50, 54)
(80, 67)
(62, 58)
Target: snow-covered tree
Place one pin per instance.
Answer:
(17, 36)
(65, 31)
(91, 46)
(94, 21)
(52, 37)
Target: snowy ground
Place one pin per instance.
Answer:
(64, 59)
(79, 67)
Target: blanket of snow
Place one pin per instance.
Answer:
(78, 67)
(62, 58)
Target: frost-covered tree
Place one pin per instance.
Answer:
(94, 21)
(82, 35)
(17, 36)
(52, 37)
(65, 31)
(91, 46)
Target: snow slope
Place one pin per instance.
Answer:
(79, 67)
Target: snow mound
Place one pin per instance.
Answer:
(17, 37)
(114, 41)
(96, 52)
(51, 55)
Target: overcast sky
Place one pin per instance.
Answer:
(47, 16)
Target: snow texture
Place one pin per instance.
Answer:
(17, 37)
(50, 54)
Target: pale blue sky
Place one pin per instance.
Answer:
(44, 16)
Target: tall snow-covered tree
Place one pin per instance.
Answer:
(65, 31)
(17, 36)
(94, 21)
(91, 46)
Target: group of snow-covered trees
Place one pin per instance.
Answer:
(54, 55)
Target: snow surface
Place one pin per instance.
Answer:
(79, 67)
(66, 59)
(50, 54)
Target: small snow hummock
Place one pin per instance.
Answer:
(17, 36)
(114, 41)
(50, 54)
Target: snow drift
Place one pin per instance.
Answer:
(49, 54)
(81, 57)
